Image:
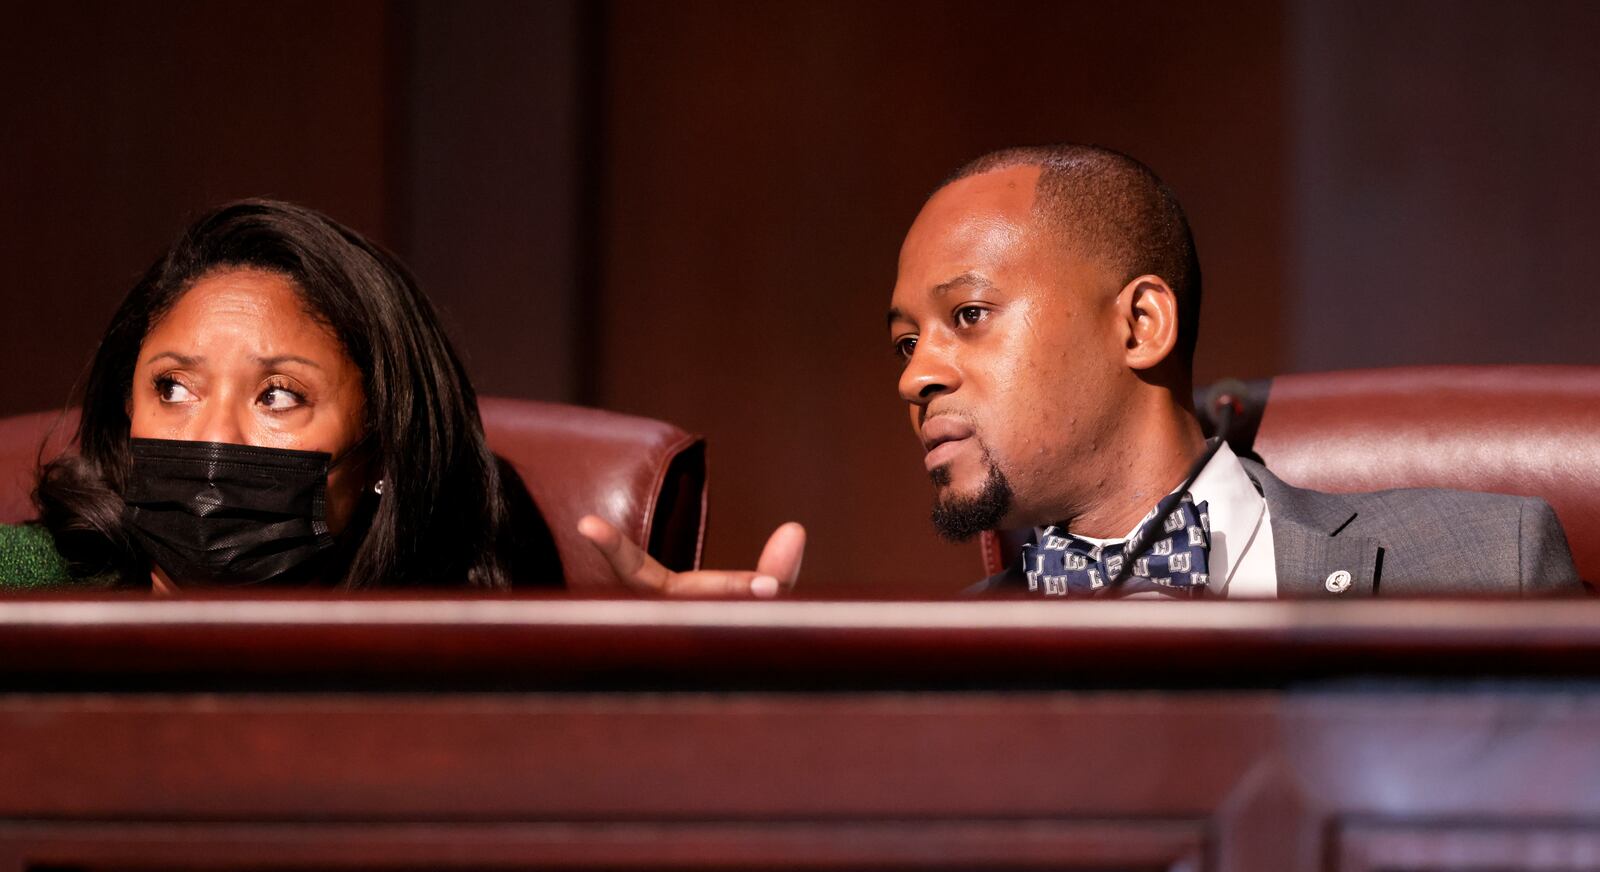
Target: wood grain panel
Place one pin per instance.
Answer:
(1248, 737)
(1151, 846)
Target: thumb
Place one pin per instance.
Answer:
(781, 557)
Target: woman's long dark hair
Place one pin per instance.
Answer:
(443, 519)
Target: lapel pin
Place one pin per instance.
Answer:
(1338, 582)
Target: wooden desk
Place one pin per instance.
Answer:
(586, 734)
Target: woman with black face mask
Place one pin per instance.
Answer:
(275, 403)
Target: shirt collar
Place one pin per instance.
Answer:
(1229, 494)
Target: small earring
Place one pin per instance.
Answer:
(377, 487)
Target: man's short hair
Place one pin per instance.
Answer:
(1114, 209)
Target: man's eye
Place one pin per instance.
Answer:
(904, 347)
(970, 315)
(279, 398)
(169, 390)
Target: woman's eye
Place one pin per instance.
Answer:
(970, 315)
(904, 347)
(279, 398)
(170, 390)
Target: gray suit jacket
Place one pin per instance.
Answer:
(1410, 542)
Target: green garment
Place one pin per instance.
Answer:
(29, 562)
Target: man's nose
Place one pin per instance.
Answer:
(929, 373)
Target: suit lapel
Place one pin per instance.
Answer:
(1011, 578)
(1313, 564)
(1313, 556)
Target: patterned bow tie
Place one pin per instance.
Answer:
(1061, 564)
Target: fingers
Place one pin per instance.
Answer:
(634, 567)
(776, 571)
(716, 583)
(781, 558)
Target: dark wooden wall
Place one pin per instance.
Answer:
(448, 133)
(1445, 183)
(498, 161)
(124, 120)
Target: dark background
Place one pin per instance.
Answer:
(691, 210)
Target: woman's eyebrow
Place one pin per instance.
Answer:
(181, 359)
(277, 359)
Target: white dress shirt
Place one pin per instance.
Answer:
(1240, 559)
(1241, 556)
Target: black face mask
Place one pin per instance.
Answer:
(225, 514)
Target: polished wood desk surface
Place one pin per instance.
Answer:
(556, 639)
(535, 733)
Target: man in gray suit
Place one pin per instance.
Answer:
(1046, 308)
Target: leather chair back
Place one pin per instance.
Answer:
(1526, 430)
(25, 440)
(645, 476)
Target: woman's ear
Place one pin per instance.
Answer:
(1149, 311)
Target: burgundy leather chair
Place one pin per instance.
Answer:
(645, 476)
(1527, 430)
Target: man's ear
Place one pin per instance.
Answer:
(1148, 310)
